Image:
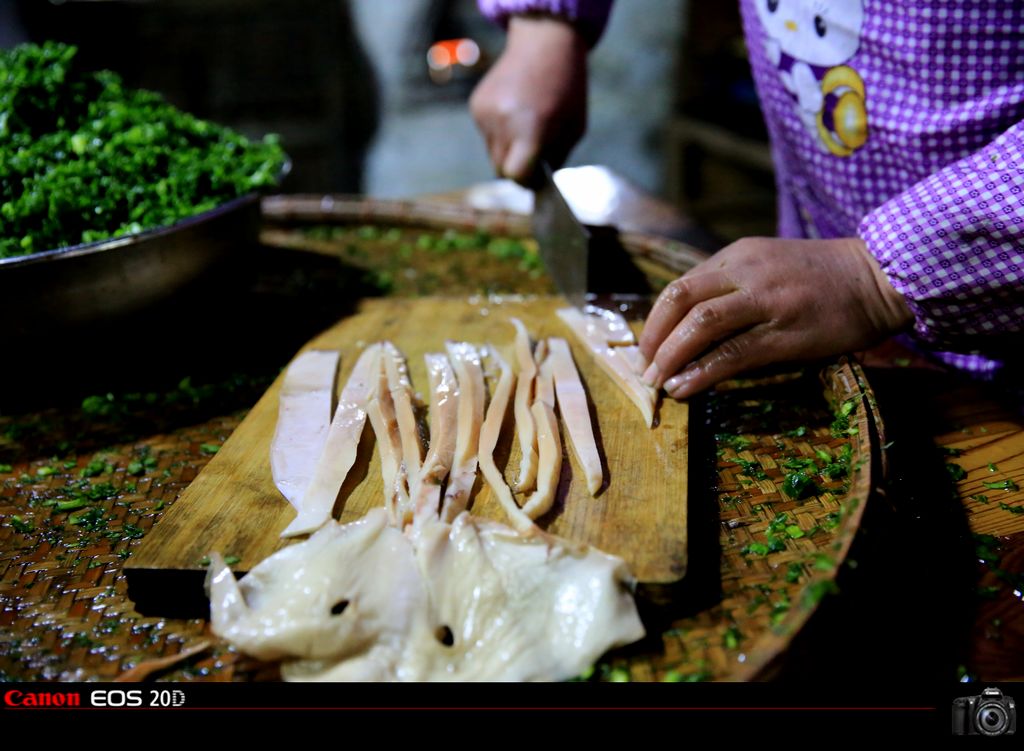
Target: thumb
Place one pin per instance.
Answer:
(520, 160)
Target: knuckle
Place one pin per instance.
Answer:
(733, 350)
(677, 290)
(706, 316)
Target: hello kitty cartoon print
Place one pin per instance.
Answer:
(809, 41)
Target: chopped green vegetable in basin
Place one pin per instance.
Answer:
(82, 158)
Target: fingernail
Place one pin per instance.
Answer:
(674, 382)
(652, 375)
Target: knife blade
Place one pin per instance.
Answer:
(564, 243)
(588, 264)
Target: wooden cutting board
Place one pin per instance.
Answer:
(233, 506)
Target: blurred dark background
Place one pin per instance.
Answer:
(371, 96)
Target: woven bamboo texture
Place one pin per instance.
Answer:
(768, 558)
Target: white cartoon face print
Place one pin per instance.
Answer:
(817, 32)
(810, 42)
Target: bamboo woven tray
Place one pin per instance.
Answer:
(760, 561)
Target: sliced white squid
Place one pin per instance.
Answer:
(469, 371)
(549, 443)
(401, 396)
(526, 430)
(619, 363)
(572, 404)
(544, 387)
(609, 326)
(303, 419)
(381, 411)
(340, 447)
(489, 434)
(444, 404)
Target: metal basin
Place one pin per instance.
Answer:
(82, 284)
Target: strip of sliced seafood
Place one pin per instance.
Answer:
(303, 419)
(470, 373)
(381, 411)
(525, 427)
(619, 363)
(572, 405)
(489, 434)
(608, 326)
(549, 464)
(444, 405)
(339, 452)
(401, 396)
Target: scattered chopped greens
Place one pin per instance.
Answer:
(91, 519)
(841, 424)
(816, 591)
(986, 548)
(231, 560)
(980, 498)
(1002, 485)
(799, 432)
(992, 467)
(752, 469)
(798, 485)
(989, 592)
(94, 467)
(209, 448)
(141, 466)
(6, 468)
(21, 525)
(1011, 509)
(674, 676)
(823, 562)
(735, 442)
(955, 471)
(83, 158)
(732, 637)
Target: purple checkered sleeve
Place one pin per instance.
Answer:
(953, 246)
(590, 16)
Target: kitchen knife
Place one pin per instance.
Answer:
(564, 243)
(587, 264)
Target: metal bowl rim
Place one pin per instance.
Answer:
(112, 243)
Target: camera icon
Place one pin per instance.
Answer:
(991, 713)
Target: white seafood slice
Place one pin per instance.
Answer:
(466, 361)
(339, 451)
(303, 419)
(381, 411)
(549, 464)
(471, 600)
(518, 607)
(525, 427)
(608, 326)
(401, 396)
(489, 434)
(572, 405)
(618, 363)
(444, 404)
(350, 594)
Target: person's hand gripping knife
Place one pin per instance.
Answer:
(533, 101)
